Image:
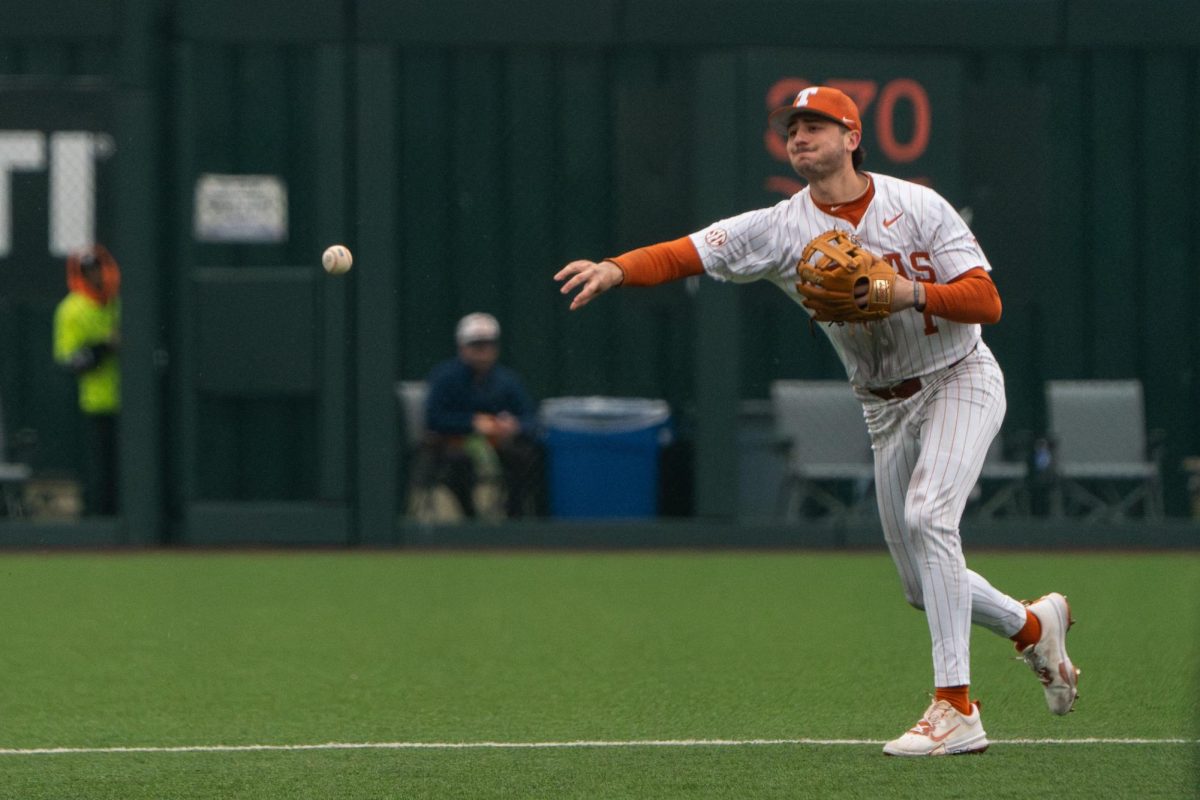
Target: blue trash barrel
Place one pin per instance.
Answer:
(603, 455)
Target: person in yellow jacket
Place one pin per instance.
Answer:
(86, 340)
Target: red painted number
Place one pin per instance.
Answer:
(899, 95)
(913, 94)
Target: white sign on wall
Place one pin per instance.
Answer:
(241, 208)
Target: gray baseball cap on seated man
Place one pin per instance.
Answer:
(477, 327)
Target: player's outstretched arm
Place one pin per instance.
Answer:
(591, 278)
(645, 266)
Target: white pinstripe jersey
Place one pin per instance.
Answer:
(910, 225)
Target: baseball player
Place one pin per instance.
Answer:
(931, 391)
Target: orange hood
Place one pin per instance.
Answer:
(110, 275)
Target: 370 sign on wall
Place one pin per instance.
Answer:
(882, 106)
(68, 159)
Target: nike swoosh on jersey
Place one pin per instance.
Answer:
(887, 223)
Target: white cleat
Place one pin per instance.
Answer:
(1048, 658)
(942, 731)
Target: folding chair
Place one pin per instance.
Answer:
(422, 495)
(429, 500)
(1104, 467)
(412, 401)
(830, 465)
(13, 477)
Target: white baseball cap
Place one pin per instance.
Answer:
(477, 327)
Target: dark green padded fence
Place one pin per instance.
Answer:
(465, 150)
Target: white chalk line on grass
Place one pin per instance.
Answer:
(250, 748)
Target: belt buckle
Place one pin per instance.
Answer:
(884, 393)
(893, 392)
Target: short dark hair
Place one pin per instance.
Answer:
(858, 156)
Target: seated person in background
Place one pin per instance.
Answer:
(481, 421)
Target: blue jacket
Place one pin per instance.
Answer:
(455, 396)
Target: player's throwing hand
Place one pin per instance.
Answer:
(592, 278)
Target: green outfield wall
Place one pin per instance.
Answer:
(466, 150)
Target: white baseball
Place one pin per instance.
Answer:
(337, 259)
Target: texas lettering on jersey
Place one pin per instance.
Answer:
(910, 225)
(921, 270)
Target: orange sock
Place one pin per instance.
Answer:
(957, 696)
(1030, 632)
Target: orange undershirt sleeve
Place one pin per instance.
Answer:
(970, 298)
(659, 263)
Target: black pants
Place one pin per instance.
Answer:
(100, 464)
(445, 461)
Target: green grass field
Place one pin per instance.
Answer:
(194, 650)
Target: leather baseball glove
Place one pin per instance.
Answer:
(844, 282)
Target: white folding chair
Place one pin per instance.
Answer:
(830, 465)
(1104, 468)
(412, 402)
(423, 499)
(428, 499)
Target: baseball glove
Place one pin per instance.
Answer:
(846, 282)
